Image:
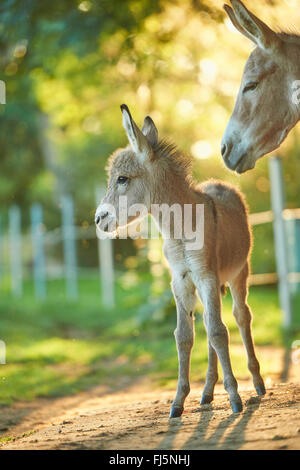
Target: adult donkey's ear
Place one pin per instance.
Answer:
(236, 24)
(150, 131)
(259, 32)
(137, 139)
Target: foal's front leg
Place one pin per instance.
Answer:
(184, 293)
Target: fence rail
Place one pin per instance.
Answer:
(68, 234)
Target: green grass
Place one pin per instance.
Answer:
(58, 347)
(5, 439)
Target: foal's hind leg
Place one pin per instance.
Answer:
(243, 316)
(184, 293)
(209, 291)
(211, 375)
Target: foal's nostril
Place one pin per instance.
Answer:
(100, 216)
(103, 215)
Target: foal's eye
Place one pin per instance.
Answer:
(250, 86)
(122, 179)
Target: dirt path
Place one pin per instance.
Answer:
(137, 418)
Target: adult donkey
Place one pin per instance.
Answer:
(152, 173)
(268, 102)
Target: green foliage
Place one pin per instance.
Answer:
(78, 61)
(68, 65)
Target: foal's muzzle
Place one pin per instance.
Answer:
(101, 219)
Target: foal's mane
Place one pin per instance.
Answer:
(290, 36)
(171, 157)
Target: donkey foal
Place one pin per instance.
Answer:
(153, 172)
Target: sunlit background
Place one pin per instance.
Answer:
(67, 66)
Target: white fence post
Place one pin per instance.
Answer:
(37, 236)
(277, 198)
(69, 242)
(106, 263)
(2, 352)
(2, 92)
(15, 251)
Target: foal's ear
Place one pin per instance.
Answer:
(137, 139)
(256, 30)
(150, 131)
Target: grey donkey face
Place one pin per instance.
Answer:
(129, 185)
(264, 112)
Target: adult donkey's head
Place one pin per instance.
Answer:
(268, 104)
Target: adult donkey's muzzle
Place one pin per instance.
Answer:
(235, 157)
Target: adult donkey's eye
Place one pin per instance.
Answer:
(250, 86)
(122, 179)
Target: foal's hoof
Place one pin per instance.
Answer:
(176, 412)
(260, 389)
(236, 406)
(206, 399)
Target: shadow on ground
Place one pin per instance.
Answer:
(200, 438)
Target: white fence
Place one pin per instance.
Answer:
(13, 243)
(68, 234)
